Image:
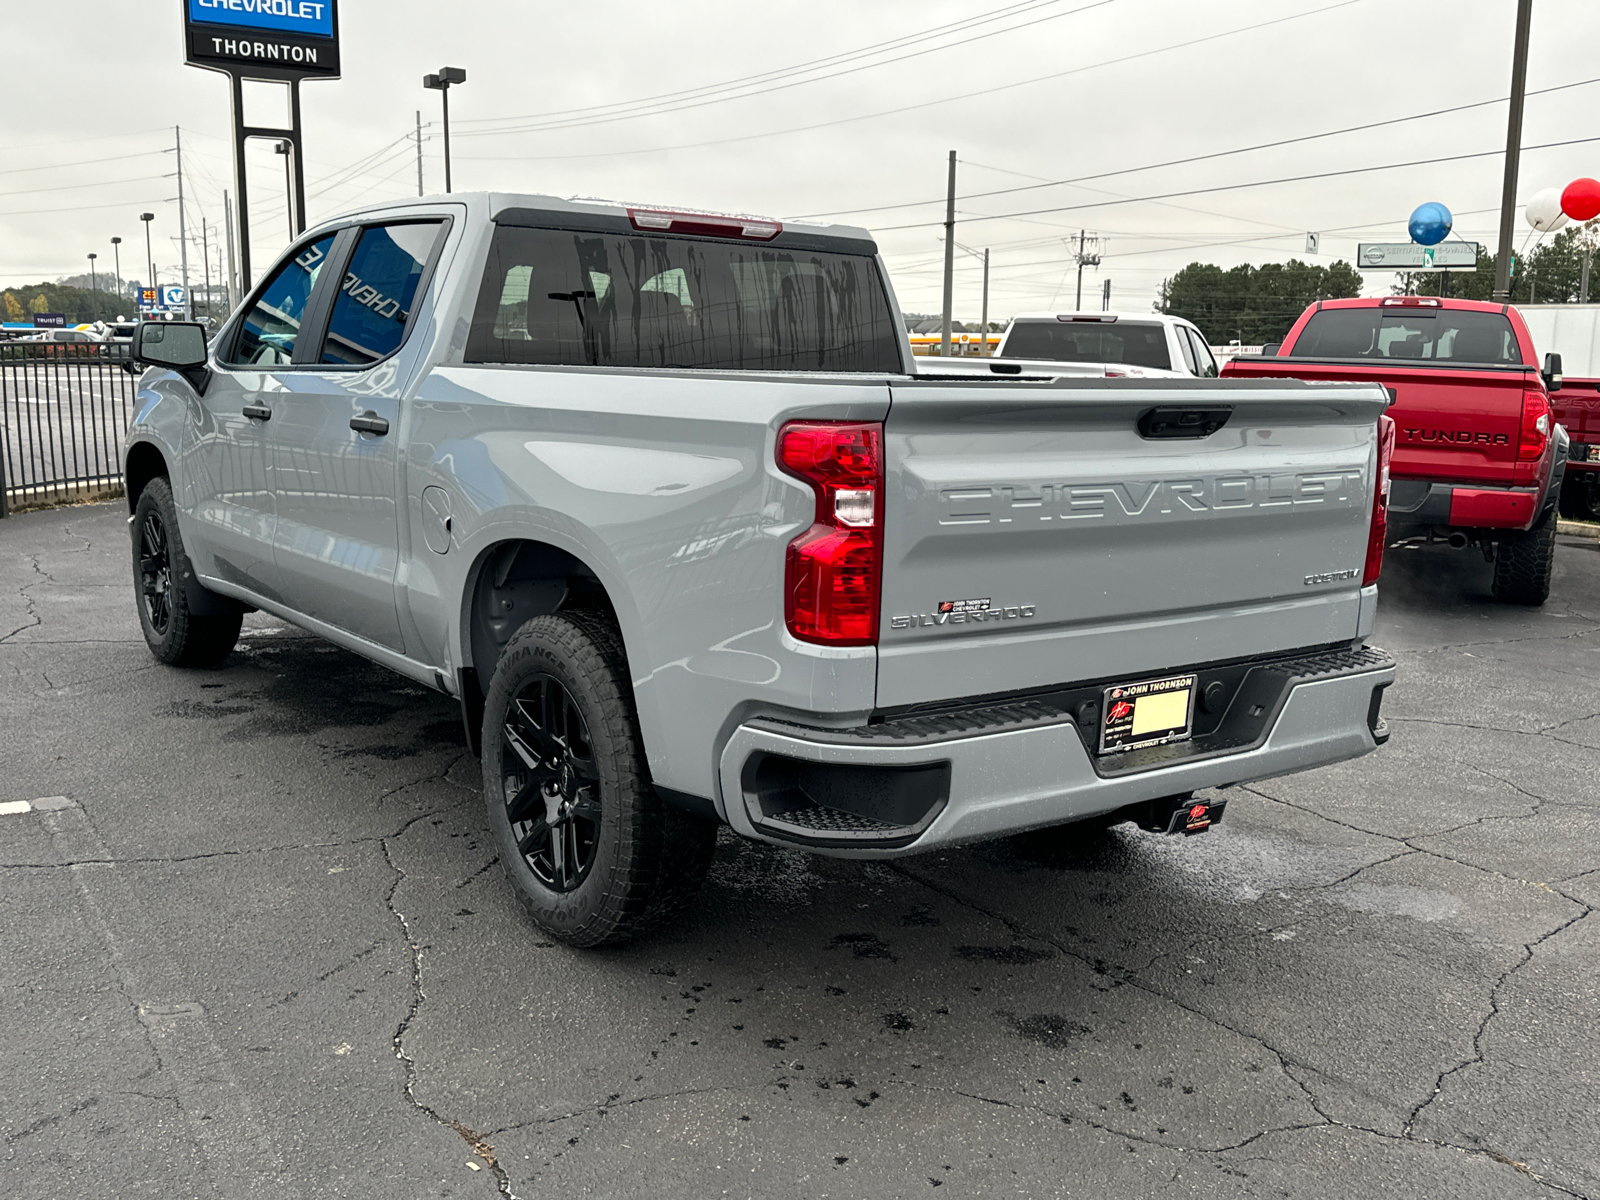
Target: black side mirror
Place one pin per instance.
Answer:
(1552, 372)
(1270, 350)
(179, 345)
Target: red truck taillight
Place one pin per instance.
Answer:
(1535, 433)
(1379, 532)
(833, 571)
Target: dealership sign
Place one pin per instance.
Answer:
(264, 39)
(1409, 256)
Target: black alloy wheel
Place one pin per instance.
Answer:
(155, 572)
(164, 588)
(551, 784)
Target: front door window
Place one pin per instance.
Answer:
(268, 335)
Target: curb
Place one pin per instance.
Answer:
(1582, 529)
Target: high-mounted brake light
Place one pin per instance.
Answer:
(1378, 534)
(755, 229)
(1099, 318)
(1409, 302)
(833, 571)
(1535, 431)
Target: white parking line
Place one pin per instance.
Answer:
(11, 808)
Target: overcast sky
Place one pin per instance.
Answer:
(1025, 91)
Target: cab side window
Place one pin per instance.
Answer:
(377, 292)
(269, 331)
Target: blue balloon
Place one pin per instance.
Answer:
(1430, 224)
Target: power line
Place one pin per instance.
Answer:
(88, 162)
(1230, 187)
(781, 72)
(889, 112)
(67, 187)
(1176, 162)
(645, 108)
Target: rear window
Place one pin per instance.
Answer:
(1138, 343)
(1439, 334)
(554, 297)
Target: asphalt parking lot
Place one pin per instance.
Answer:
(255, 944)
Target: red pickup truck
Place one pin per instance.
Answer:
(1478, 458)
(1573, 332)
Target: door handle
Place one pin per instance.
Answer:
(369, 422)
(258, 411)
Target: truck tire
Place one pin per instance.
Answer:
(1578, 492)
(1523, 563)
(161, 578)
(594, 855)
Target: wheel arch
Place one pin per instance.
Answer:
(510, 581)
(144, 462)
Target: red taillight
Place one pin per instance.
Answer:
(1379, 533)
(1535, 426)
(832, 570)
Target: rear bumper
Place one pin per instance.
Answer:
(962, 776)
(1415, 501)
(1583, 456)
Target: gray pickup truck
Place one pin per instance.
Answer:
(660, 498)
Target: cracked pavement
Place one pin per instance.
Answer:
(257, 944)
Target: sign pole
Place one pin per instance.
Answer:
(299, 159)
(240, 184)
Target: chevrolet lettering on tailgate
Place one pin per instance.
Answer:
(1004, 503)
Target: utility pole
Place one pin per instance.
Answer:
(1085, 259)
(233, 275)
(983, 325)
(949, 257)
(183, 240)
(1583, 278)
(419, 152)
(1105, 295)
(1508, 193)
(205, 259)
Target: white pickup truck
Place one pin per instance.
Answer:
(659, 498)
(1129, 345)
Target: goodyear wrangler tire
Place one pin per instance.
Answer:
(593, 854)
(1524, 562)
(161, 574)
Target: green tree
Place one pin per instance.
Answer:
(1253, 304)
(78, 305)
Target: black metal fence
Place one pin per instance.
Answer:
(64, 409)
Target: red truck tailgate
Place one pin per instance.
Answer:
(1576, 404)
(1452, 424)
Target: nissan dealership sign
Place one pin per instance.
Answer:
(264, 39)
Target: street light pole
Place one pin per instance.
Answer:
(149, 255)
(284, 149)
(116, 250)
(441, 83)
(1508, 193)
(94, 280)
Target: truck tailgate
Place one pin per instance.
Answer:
(1452, 424)
(1034, 536)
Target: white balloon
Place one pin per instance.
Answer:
(1544, 211)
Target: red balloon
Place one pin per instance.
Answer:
(1581, 199)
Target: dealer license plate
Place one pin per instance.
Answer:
(1153, 713)
(1591, 453)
